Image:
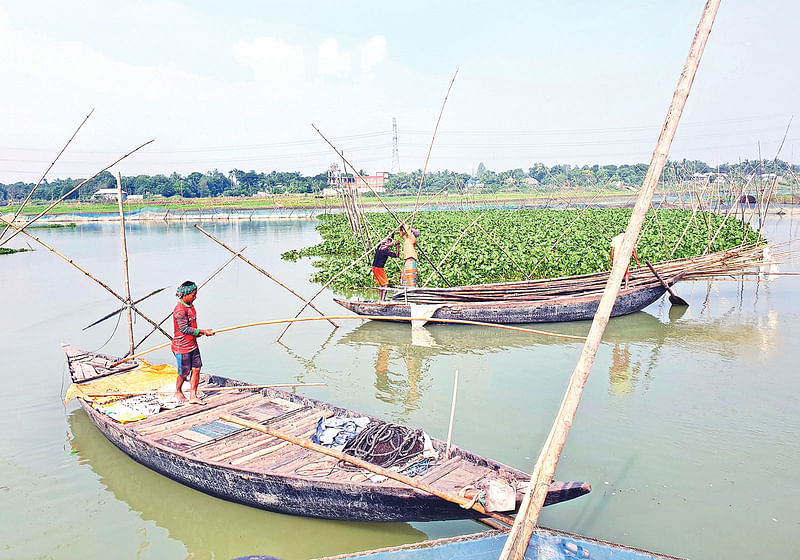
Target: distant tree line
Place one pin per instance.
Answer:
(247, 183)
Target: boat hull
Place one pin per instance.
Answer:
(298, 495)
(551, 310)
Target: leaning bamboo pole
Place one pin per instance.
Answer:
(262, 271)
(430, 149)
(542, 475)
(125, 276)
(36, 186)
(65, 196)
(87, 273)
(388, 473)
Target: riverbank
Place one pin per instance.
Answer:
(302, 208)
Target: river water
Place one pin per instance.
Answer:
(688, 427)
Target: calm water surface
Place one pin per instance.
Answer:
(687, 429)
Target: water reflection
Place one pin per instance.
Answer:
(213, 528)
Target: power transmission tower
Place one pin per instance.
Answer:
(395, 153)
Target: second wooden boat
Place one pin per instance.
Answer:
(552, 309)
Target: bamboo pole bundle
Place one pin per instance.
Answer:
(125, 276)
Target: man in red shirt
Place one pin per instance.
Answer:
(184, 343)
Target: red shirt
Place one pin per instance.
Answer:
(184, 321)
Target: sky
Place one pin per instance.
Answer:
(238, 85)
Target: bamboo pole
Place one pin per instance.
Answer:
(64, 197)
(262, 271)
(452, 417)
(542, 475)
(345, 269)
(206, 389)
(73, 263)
(364, 318)
(394, 475)
(126, 277)
(430, 149)
(36, 186)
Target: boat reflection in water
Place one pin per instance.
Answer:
(632, 346)
(212, 528)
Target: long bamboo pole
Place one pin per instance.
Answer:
(206, 389)
(452, 417)
(542, 475)
(64, 197)
(262, 271)
(126, 277)
(365, 318)
(430, 148)
(394, 475)
(36, 186)
(87, 273)
(345, 269)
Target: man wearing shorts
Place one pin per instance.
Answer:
(184, 343)
(383, 252)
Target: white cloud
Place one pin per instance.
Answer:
(271, 59)
(372, 52)
(331, 62)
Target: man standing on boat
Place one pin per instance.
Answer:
(184, 343)
(616, 243)
(409, 236)
(379, 262)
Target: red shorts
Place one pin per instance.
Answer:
(380, 276)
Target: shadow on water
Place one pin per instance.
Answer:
(213, 528)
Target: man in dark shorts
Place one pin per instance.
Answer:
(184, 343)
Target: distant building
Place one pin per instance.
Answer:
(133, 196)
(361, 183)
(108, 194)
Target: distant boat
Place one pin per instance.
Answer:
(192, 445)
(545, 544)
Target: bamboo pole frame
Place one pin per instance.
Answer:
(87, 273)
(125, 275)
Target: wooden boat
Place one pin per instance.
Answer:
(545, 543)
(535, 309)
(191, 445)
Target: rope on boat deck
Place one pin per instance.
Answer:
(385, 444)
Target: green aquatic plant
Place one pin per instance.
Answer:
(531, 237)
